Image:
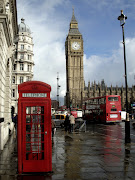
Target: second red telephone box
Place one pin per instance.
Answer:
(34, 127)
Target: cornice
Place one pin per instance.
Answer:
(14, 16)
(4, 21)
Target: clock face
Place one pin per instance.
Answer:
(76, 45)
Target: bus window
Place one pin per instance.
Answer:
(113, 109)
(112, 98)
(102, 101)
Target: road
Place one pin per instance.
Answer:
(116, 130)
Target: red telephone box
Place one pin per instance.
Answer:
(34, 127)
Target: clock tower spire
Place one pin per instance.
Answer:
(74, 65)
(73, 29)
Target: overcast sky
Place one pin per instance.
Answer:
(102, 34)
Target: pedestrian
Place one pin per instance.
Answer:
(72, 122)
(15, 120)
(53, 127)
(67, 123)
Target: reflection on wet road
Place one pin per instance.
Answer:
(100, 152)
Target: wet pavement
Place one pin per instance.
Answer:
(98, 153)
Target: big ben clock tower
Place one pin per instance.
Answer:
(74, 65)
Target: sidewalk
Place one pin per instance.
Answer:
(77, 156)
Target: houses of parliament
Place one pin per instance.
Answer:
(76, 90)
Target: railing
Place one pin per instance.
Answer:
(80, 125)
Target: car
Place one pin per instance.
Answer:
(59, 119)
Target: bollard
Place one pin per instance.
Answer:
(127, 119)
(127, 129)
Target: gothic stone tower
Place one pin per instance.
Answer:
(74, 65)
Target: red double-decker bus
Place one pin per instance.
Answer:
(103, 109)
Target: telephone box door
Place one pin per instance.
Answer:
(35, 136)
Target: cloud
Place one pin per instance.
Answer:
(111, 68)
(51, 60)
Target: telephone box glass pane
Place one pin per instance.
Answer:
(35, 133)
(28, 110)
(28, 119)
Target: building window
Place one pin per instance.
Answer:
(28, 47)
(13, 79)
(29, 67)
(14, 67)
(21, 67)
(29, 57)
(27, 78)
(13, 93)
(21, 79)
(22, 46)
(21, 56)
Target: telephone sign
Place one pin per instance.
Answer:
(34, 95)
(34, 127)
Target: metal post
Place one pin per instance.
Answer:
(127, 122)
(122, 19)
(58, 86)
(125, 68)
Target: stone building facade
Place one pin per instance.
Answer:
(76, 90)
(8, 33)
(23, 63)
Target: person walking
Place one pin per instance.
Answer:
(67, 123)
(72, 122)
(15, 120)
(53, 126)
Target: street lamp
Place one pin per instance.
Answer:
(58, 86)
(122, 19)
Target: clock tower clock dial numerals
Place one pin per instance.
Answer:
(75, 45)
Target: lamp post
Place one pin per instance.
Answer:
(122, 19)
(58, 86)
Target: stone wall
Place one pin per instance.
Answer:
(8, 32)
